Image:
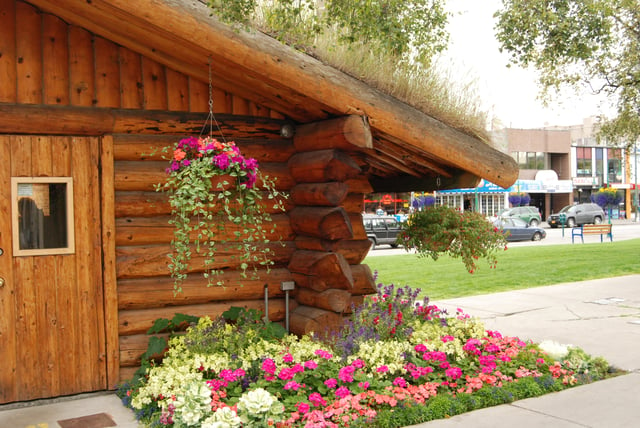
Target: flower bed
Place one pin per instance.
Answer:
(396, 362)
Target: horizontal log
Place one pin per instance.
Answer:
(138, 321)
(357, 225)
(353, 250)
(68, 120)
(146, 293)
(359, 184)
(150, 147)
(346, 133)
(315, 283)
(150, 204)
(321, 222)
(305, 320)
(153, 260)
(338, 301)
(141, 204)
(330, 267)
(363, 283)
(146, 176)
(126, 373)
(329, 194)
(132, 348)
(157, 230)
(322, 166)
(353, 203)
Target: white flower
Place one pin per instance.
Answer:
(555, 350)
(256, 401)
(224, 417)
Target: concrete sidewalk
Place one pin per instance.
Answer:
(600, 316)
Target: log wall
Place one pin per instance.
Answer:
(331, 242)
(59, 79)
(143, 240)
(46, 61)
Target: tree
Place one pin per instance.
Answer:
(413, 29)
(574, 44)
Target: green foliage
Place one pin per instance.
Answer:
(591, 43)
(212, 188)
(253, 318)
(412, 29)
(158, 345)
(439, 230)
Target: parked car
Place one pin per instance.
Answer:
(577, 215)
(528, 214)
(382, 230)
(515, 229)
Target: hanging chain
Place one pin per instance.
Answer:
(211, 119)
(438, 182)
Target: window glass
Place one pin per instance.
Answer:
(42, 215)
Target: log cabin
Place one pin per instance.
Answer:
(89, 90)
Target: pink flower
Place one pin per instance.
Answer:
(342, 392)
(323, 354)
(346, 374)
(420, 348)
(453, 372)
(317, 400)
(447, 338)
(382, 369)
(331, 383)
(363, 385)
(358, 363)
(399, 381)
(311, 365)
(292, 385)
(302, 408)
(286, 373)
(287, 358)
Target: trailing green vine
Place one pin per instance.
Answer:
(216, 202)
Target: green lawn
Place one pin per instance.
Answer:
(519, 267)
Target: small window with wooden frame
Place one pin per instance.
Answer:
(42, 216)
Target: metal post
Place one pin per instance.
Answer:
(635, 159)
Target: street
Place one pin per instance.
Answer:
(622, 230)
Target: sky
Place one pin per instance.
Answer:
(508, 94)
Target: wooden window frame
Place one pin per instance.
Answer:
(70, 248)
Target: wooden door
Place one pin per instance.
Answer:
(52, 330)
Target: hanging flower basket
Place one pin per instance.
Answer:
(606, 197)
(441, 230)
(515, 199)
(212, 185)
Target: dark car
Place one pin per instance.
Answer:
(577, 215)
(515, 229)
(382, 230)
(528, 214)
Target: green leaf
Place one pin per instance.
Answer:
(160, 325)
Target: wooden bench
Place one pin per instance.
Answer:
(592, 229)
